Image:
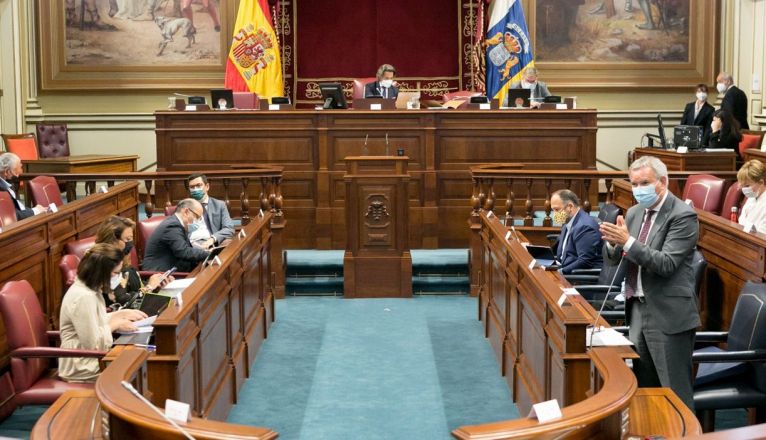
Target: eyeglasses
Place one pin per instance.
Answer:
(196, 216)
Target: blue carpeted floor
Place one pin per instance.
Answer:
(374, 369)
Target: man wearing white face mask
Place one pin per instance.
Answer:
(752, 180)
(734, 99)
(656, 241)
(699, 113)
(385, 87)
(537, 89)
(169, 245)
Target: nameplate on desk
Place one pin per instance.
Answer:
(532, 264)
(562, 299)
(273, 106)
(508, 236)
(191, 108)
(682, 150)
(178, 411)
(545, 411)
(376, 106)
(53, 208)
(485, 106)
(490, 214)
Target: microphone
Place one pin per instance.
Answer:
(603, 303)
(386, 144)
(515, 234)
(365, 152)
(128, 386)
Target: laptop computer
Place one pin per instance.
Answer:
(543, 254)
(221, 97)
(404, 97)
(154, 304)
(518, 98)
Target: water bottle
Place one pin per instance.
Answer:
(733, 215)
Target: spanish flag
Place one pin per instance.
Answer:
(253, 63)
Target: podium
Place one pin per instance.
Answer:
(377, 262)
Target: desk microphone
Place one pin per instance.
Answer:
(128, 386)
(603, 303)
(386, 144)
(365, 152)
(515, 234)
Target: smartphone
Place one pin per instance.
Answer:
(168, 273)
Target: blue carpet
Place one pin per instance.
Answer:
(21, 422)
(374, 369)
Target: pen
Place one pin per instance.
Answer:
(147, 346)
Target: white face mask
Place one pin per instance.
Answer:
(748, 192)
(387, 83)
(196, 224)
(721, 87)
(115, 281)
(702, 96)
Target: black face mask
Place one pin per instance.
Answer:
(128, 247)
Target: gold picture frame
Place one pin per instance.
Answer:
(703, 30)
(183, 67)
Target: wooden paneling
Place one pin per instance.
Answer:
(34, 245)
(311, 145)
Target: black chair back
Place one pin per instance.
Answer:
(609, 212)
(699, 264)
(748, 326)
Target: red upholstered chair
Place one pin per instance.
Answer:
(68, 268)
(34, 380)
(145, 230)
(734, 197)
(52, 140)
(359, 84)
(750, 139)
(7, 210)
(45, 190)
(23, 145)
(170, 210)
(467, 94)
(705, 192)
(78, 247)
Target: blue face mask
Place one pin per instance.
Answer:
(646, 195)
(197, 194)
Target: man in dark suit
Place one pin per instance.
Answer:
(217, 226)
(385, 86)
(699, 113)
(10, 171)
(656, 239)
(734, 99)
(579, 245)
(169, 245)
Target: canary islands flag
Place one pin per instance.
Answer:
(509, 50)
(253, 63)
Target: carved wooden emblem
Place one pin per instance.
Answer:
(376, 211)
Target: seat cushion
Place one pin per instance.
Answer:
(47, 390)
(749, 141)
(735, 394)
(712, 371)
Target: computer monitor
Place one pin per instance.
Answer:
(281, 100)
(518, 98)
(223, 99)
(332, 95)
(689, 136)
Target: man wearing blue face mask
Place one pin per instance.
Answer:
(656, 241)
(385, 87)
(216, 225)
(169, 245)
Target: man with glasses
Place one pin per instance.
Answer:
(217, 226)
(169, 245)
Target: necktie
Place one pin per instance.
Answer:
(207, 220)
(631, 279)
(564, 243)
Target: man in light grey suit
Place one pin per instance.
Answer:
(537, 89)
(657, 240)
(217, 225)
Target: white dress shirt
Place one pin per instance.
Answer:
(639, 286)
(754, 213)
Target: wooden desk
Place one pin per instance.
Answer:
(34, 246)
(86, 163)
(74, 415)
(693, 160)
(658, 411)
(441, 144)
(753, 153)
(734, 257)
(206, 347)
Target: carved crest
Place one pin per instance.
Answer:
(376, 211)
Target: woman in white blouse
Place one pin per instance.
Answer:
(752, 180)
(84, 322)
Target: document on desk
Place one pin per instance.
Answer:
(146, 322)
(175, 287)
(606, 337)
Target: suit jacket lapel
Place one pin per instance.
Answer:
(662, 217)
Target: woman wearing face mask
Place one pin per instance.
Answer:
(752, 180)
(385, 87)
(725, 132)
(699, 113)
(118, 231)
(84, 322)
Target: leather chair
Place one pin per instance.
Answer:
(359, 83)
(45, 190)
(734, 377)
(68, 268)
(733, 197)
(52, 140)
(750, 139)
(7, 210)
(146, 228)
(170, 210)
(705, 191)
(78, 248)
(34, 380)
(23, 145)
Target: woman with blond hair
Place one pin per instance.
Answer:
(752, 181)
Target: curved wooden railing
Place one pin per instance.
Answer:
(127, 417)
(490, 180)
(588, 419)
(163, 188)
